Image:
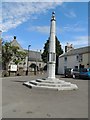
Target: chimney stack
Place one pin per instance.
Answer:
(14, 37)
(68, 47)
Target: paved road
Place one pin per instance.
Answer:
(22, 102)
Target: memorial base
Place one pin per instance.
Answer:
(49, 83)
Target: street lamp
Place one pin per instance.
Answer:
(36, 60)
(28, 60)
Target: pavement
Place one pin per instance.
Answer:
(19, 101)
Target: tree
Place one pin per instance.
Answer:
(6, 54)
(45, 52)
(9, 53)
(19, 56)
(59, 51)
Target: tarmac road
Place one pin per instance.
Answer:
(19, 101)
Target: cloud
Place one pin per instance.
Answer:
(79, 41)
(34, 0)
(59, 30)
(70, 14)
(77, 27)
(43, 29)
(16, 13)
(40, 29)
(7, 38)
(45, 1)
(0, 14)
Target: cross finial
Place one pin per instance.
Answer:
(53, 16)
(53, 13)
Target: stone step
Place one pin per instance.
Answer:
(30, 85)
(48, 82)
(64, 84)
(33, 82)
(39, 80)
(62, 87)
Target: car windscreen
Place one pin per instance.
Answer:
(84, 70)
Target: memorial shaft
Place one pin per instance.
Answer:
(52, 53)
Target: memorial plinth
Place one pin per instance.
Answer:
(51, 82)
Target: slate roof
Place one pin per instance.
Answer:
(34, 55)
(76, 51)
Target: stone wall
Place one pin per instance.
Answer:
(20, 73)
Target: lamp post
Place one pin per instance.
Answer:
(36, 61)
(28, 60)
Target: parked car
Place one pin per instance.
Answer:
(85, 73)
(68, 72)
(75, 73)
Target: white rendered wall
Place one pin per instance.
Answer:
(70, 63)
(61, 65)
(85, 60)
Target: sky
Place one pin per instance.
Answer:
(30, 23)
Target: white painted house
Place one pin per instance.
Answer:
(74, 58)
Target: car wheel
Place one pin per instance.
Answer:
(65, 76)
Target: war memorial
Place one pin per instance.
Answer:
(51, 82)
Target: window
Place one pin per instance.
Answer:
(80, 58)
(77, 57)
(65, 59)
(65, 67)
(40, 65)
(81, 66)
(76, 67)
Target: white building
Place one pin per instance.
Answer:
(74, 58)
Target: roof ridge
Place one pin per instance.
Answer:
(76, 51)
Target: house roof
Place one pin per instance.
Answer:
(15, 43)
(34, 55)
(82, 50)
